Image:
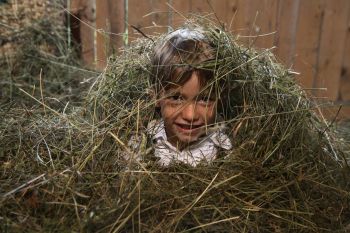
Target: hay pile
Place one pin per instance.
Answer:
(65, 172)
(36, 53)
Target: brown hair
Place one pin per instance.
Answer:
(183, 52)
(179, 55)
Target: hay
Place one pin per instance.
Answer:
(65, 172)
(36, 54)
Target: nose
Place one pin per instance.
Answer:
(189, 112)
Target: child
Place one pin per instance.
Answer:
(187, 97)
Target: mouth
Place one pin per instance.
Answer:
(188, 128)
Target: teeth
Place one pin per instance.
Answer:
(189, 126)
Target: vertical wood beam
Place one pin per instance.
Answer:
(307, 40)
(84, 10)
(332, 40)
(110, 19)
(344, 88)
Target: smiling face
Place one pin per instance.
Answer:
(187, 110)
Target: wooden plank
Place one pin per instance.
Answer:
(190, 8)
(219, 12)
(76, 6)
(117, 24)
(332, 42)
(307, 40)
(137, 16)
(266, 11)
(102, 39)
(255, 20)
(109, 29)
(331, 112)
(242, 23)
(344, 90)
(232, 10)
(160, 16)
(287, 19)
(178, 16)
(84, 10)
(200, 7)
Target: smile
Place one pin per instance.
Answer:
(188, 128)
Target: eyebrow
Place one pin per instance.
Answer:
(208, 92)
(200, 95)
(173, 91)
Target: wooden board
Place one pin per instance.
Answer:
(332, 113)
(117, 24)
(307, 45)
(160, 16)
(332, 40)
(344, 88)
(185, 9)
(266, 14)
(242, 23)
(84, 11)
(102, 39)
(109, 29)
(286, 26)
(138, 12)
(201, 7)
(218, 9)
(313, 36)
(254, 21)
(179, 12)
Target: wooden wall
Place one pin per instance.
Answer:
(311, 36)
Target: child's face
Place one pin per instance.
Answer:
(187, 111)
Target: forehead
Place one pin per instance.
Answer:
(182, 75)
(193, 86)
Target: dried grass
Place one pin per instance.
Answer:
(37, 55)
(65, 172)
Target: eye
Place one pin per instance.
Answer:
(205, 99)
(175, 97)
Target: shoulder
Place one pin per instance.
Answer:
(220, 138)
(155, 129)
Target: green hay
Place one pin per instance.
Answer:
(38, 57)
(65, 172)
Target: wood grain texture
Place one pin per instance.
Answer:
(332, 40)
(265, 23)
(286, 26)
(102, 39)
(117, 24)
(219, 11)
(332, 112)
(307, 44)
(344, 88)
(179, 13)
(84, 11)
(109, 29)
(159, 16)
(201, 6)
(137, 16)
(254, 21)
(312, 36)
(242, 23)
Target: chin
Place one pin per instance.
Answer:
(188, 139)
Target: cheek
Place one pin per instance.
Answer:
(208, 113)
(168, 112)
